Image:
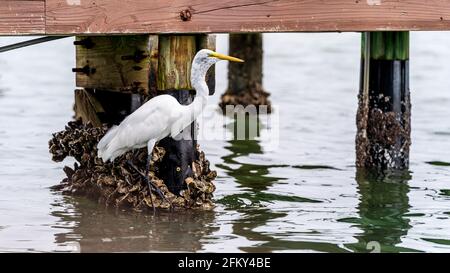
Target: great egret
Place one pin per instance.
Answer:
(161, 116)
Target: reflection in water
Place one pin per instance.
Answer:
(250, 176)
(253, 204)
(316, 134)
(253, 179)
(98, 229)
(382, 210)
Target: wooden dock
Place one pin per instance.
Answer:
(96, 17)
(130, 50)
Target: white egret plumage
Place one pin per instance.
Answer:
(161, 116)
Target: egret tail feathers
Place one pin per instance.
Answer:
(104, 143)
(111, 154)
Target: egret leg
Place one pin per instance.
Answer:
(150, 184)
(147, 170)
(150, 145)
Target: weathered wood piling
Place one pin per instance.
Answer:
(384, 112)
(176, 53)
(245, 80)
(119, 73)
(114, 74)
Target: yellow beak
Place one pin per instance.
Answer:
(225, 57)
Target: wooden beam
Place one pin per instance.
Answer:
(117, 63)
(86, 17)
(22, 17)
(205, 16)
(87, 107)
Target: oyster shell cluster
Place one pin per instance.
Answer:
(118, 183)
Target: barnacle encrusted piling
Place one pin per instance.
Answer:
(119, 184)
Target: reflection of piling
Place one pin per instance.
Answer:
(176, 53)
(383, 118)
(129, 231)
(382, 208)
(245, 79)
(253, 177)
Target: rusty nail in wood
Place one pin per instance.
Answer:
(86, 43)
(185, 15)
(85, 70)
(77, 69)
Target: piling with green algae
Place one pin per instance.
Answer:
(384, 109)
(245, 79)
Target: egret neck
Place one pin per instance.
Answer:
(203, 60)
(198, 82)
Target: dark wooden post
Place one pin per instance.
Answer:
(176, 53)
(245, 79)
(384, 111)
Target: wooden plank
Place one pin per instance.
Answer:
(22, 17)
(205, 16)
(87, 107)
(117, 63)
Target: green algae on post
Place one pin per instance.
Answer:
(387, 45)
(384, 111)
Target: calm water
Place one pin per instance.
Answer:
(303, 196)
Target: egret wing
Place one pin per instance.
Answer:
(150, 121)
